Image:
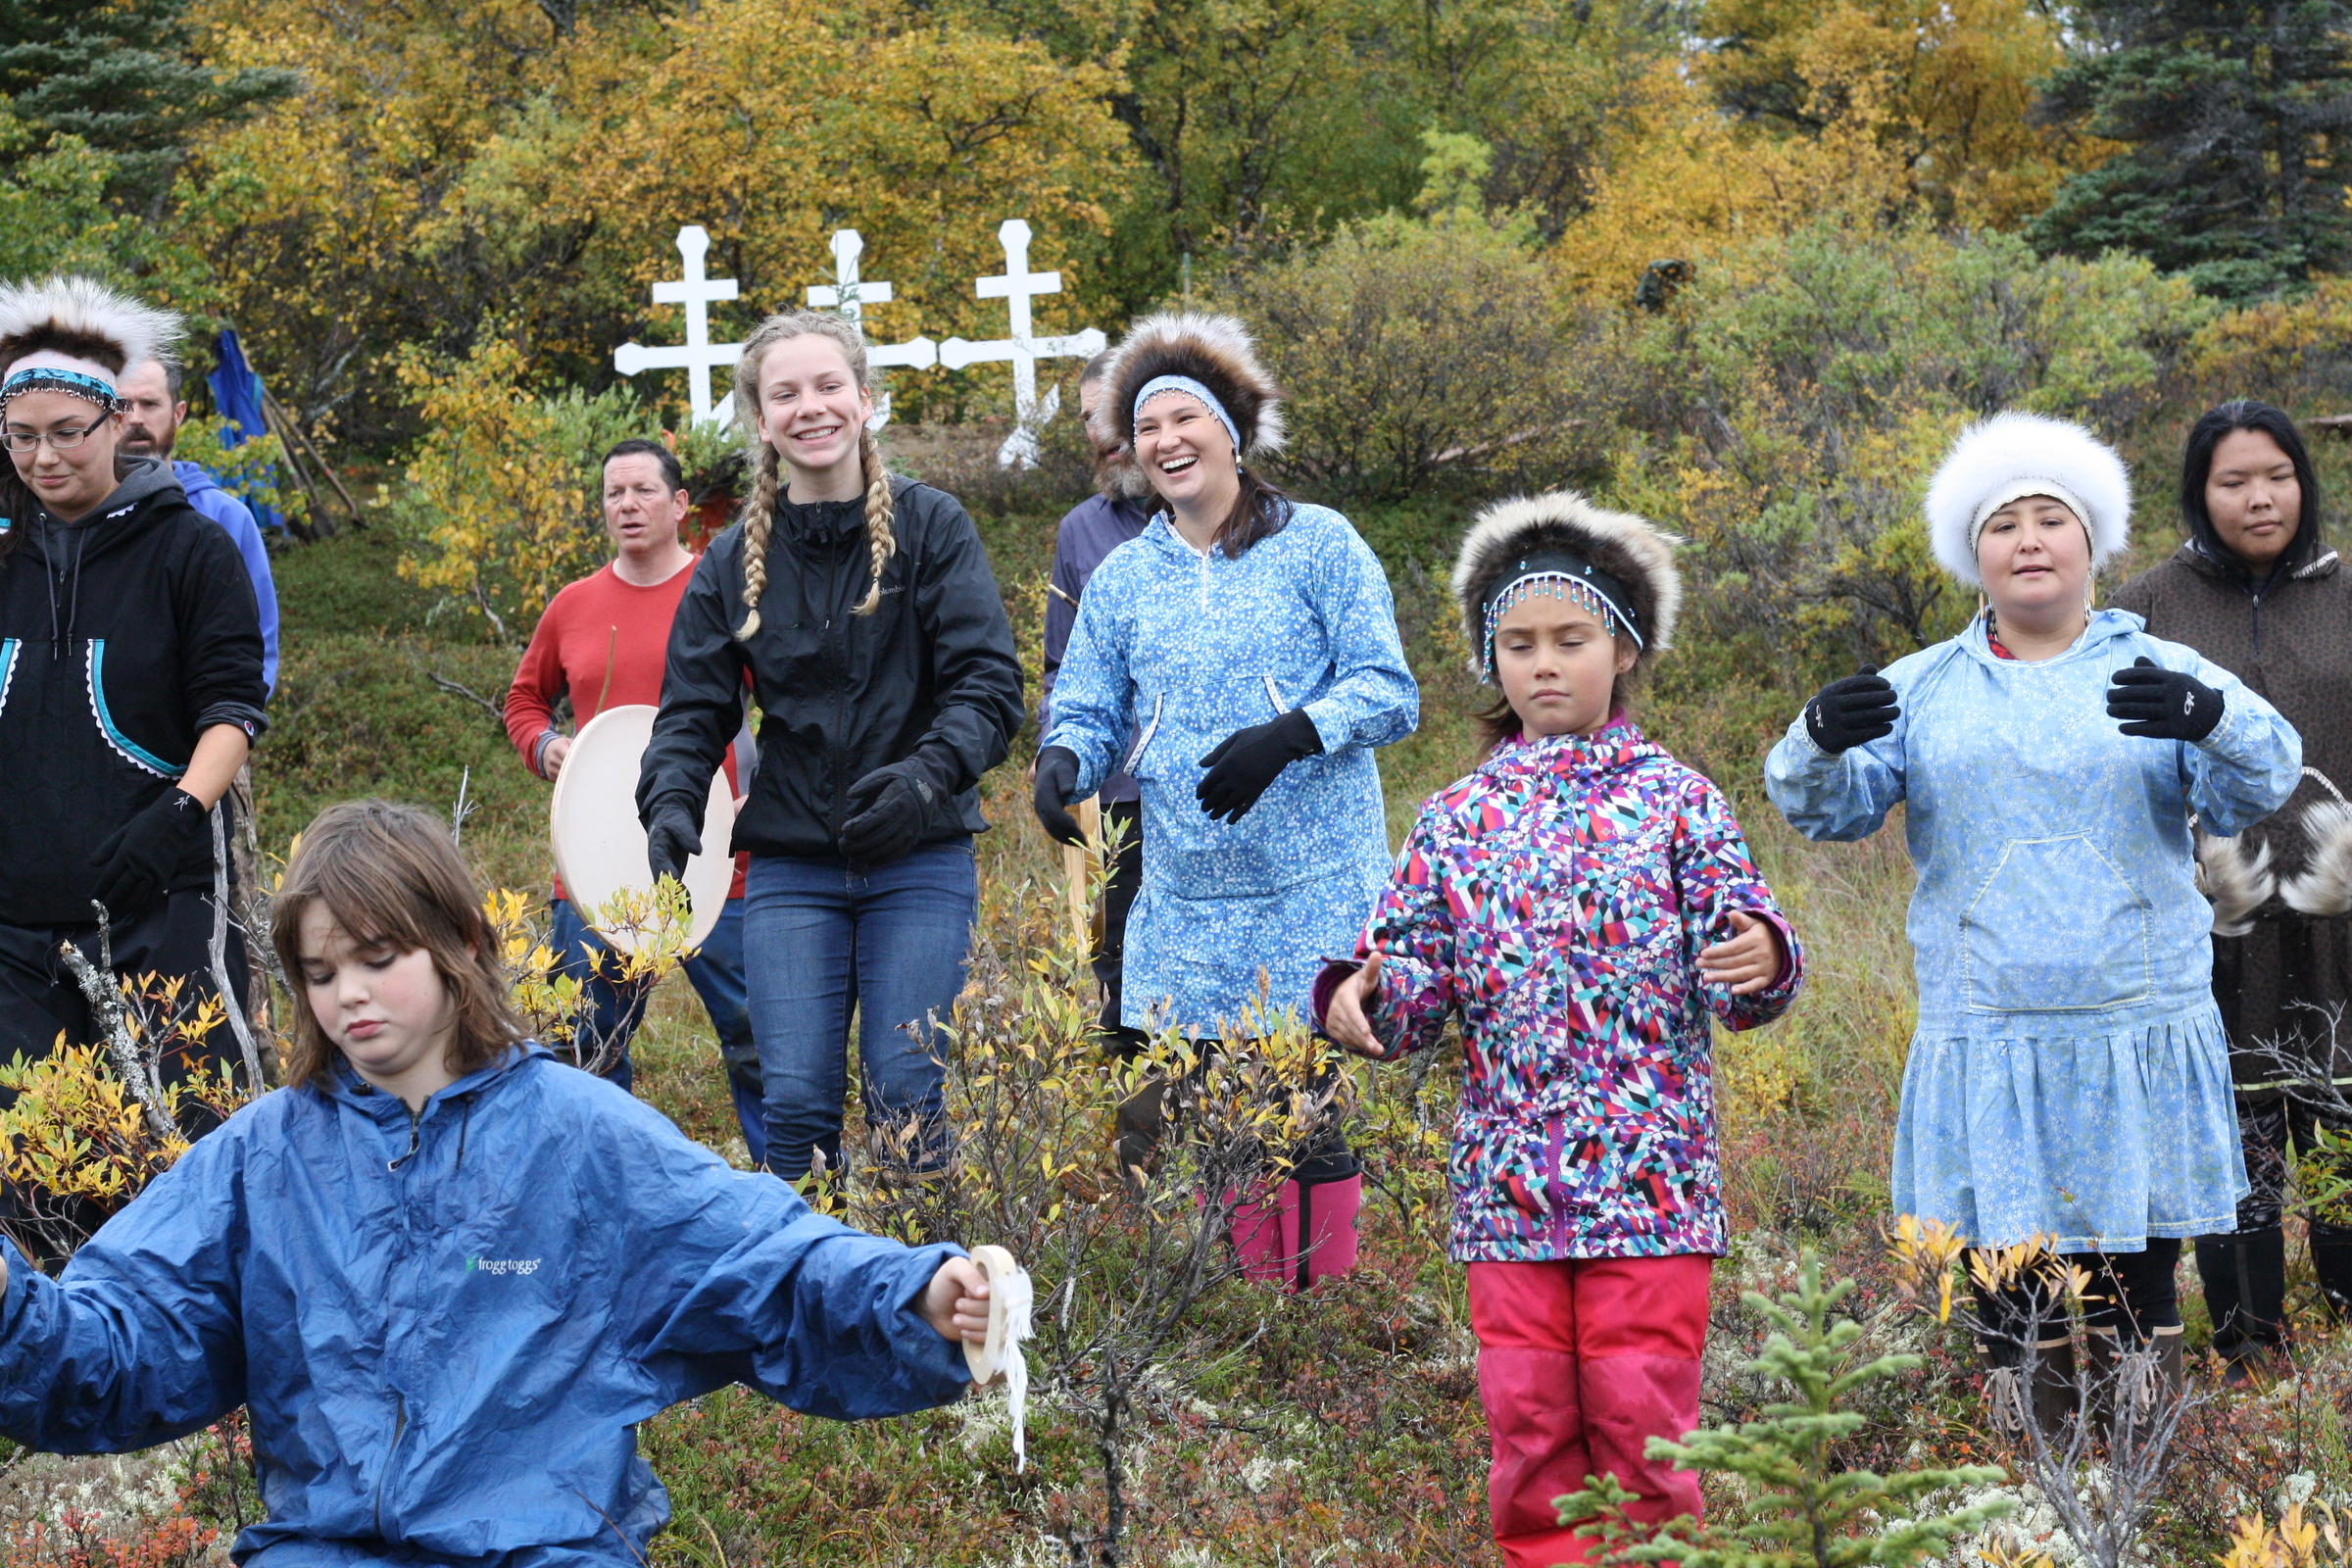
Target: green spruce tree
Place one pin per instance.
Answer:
(1806, 1508)
(121, 76)
(2238, 126)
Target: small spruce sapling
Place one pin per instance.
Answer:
(1806, 1509)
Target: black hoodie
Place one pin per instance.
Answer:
(123, 637)
(929, 678)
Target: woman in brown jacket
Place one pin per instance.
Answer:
(2257, 591)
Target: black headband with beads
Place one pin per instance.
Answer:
(1599, 591)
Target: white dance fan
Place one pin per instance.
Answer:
(1011, 1298)
(598, 842)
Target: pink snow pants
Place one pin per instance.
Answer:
(1581, 1362)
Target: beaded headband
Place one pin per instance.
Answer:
(57, 379)
(1559, 575)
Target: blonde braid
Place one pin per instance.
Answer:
(758, 514)
(879, 539)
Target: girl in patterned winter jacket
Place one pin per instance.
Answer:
(1582, 903)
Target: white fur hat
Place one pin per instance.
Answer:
(2011, 455)
(81, 325)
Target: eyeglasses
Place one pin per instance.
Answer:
(60, 440)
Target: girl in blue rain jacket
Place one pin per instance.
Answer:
(448, 1274)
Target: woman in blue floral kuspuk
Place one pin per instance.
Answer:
(2070, 1077)
(1243, 656)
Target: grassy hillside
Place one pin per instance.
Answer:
(1344, 1428)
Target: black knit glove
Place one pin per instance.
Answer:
(1249, 759)
(671, 835)
(1056, 783)
(136, 861)
(2163, 704)
(889, 811)
(1851, 712)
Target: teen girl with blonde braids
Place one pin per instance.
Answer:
(865, 612)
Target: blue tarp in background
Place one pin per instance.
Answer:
(237, 395)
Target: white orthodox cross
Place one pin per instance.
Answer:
(1017, 287)
(850, 295)
(697, 355)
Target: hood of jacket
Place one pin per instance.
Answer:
(194, 477)
(130, 511)
(2209, 558)
(1614, 748)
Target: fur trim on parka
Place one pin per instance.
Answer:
(2238, 880)
(2323, 887)
(2014, 448)
(1631, 549)
(82, 317)
(1214, 351)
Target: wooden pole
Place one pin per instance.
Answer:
(1077, 868)
(270, 403)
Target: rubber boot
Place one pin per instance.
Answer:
(1300, 1233)
(2050, 1400)
(2331, 1261)
(2128, 1385)
(2057, 1394)
(2102, 1359)
(1141, 1120)
(2244, 1275)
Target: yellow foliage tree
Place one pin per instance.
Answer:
(441, 167)
(503, 489)
(1948, 87)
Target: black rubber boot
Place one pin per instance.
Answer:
(2331, 1261)
(2245, 1292)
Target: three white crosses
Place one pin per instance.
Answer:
(851, 294)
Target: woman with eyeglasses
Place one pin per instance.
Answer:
(131, 686)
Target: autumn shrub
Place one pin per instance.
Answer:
(502, 497)
(1419, 354)
(1788, 409)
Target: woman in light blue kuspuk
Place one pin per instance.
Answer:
(2070, 1077)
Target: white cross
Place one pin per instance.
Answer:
(697, 355)
(850, 295)
(1016, 287)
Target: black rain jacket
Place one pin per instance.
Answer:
(929, 678)
(124, 637)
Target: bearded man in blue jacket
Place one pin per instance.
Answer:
(153, 410)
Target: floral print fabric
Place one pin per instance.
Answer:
(2069, 1076)
(1174, 650)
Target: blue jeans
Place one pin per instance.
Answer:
(610, 1012)
(890, 939)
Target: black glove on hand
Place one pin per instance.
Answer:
(136, 861)
(2163, 704)
(1247, 760)
(1848, 712)
(889, 810)
(671, 834)
(1057, 782)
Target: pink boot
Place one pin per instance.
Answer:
(1266, 1233)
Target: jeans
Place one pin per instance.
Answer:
(890, 939)
(610, 1012)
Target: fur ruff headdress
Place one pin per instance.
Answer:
(79, 326)
(2011, 455)
(1634, 551)
(1212, 350)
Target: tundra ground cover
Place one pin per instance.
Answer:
(1341, 1428)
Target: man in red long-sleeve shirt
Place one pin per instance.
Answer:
(602, 640)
